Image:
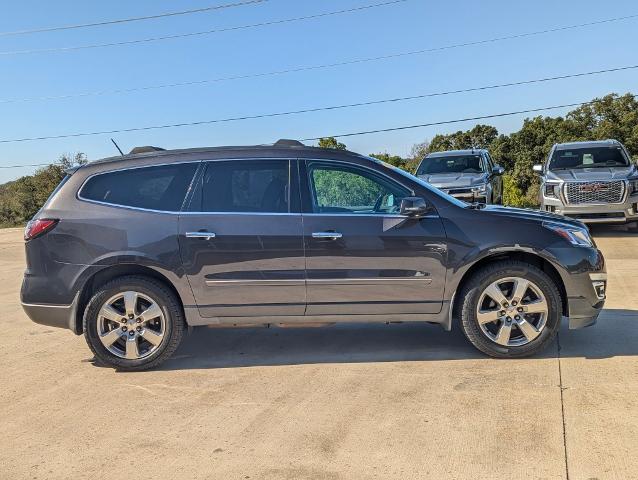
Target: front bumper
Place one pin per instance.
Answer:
(595, 213)
(585, 280)
(466, 194)
(582, 313)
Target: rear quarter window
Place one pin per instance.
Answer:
(161, 187)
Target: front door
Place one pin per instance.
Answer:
(362, 256)
(241, 242)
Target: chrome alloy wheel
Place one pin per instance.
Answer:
(131, 325)
(512, 311)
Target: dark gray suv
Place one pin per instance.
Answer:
(469, 175)
(132, 250)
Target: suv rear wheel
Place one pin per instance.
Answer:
(133, 323)
(510, 309)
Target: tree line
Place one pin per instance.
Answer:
(22, 198)
(612, 116)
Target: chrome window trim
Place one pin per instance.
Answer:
(137, 167)
(203, 161)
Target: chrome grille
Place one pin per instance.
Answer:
(595, 192)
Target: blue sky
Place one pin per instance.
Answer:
(412, 25)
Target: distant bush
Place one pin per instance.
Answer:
(513, 196)
(21, 199)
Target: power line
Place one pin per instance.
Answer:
(206, 32)
(199, 82)
(317, 109)
(131, 19)
(302, 68)
(381, 130)
(446, 122)
(29, 165)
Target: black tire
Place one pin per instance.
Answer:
(469, 296)
(159, 293)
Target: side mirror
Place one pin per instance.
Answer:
(498, 170)
(414, 207)
(538, 169)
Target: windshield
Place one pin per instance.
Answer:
(588, 158)
(451, 164)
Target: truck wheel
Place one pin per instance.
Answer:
(133, 323)
(510, 309)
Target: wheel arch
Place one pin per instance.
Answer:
(513, 255)
(112, 272)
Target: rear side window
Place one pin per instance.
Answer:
(154, 188)
(260, 186)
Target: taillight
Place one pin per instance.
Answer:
(38, 227)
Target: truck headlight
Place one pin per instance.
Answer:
(550, 190)
(633, 186)
(480, 189)
(575, 235)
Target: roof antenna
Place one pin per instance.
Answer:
(118, 147)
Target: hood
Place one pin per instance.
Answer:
(454, 180)
(602, 174)
(530, 215)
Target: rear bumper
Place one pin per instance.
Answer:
(58, 316)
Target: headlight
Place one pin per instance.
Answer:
(550, 189)
(574, 235)
(482, 188)
(633, 186)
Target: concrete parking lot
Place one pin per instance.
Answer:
(348, 402)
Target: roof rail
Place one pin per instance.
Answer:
(146, 149)
(284, 142)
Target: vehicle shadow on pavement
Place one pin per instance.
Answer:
(613, 231)
(359, 343)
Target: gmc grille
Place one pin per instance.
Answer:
(595, 192)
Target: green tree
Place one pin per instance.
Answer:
(480, 136)
(21, 199)
(331, 142)
(407, 164)
(612, 116)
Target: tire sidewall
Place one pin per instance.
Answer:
(481, 281)
(149, 289)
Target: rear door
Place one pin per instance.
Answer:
(241, 240)
(362, 256)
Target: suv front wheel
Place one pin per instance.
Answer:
(510, 309)
(133, 323)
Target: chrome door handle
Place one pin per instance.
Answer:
(206, 235)
(327, 235)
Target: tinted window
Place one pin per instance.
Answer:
(245, 186)
(342, 189)
(155, 188)
(588, 158)
(451, 164)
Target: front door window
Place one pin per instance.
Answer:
(340, 189)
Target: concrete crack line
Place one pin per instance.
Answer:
(562, 405)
